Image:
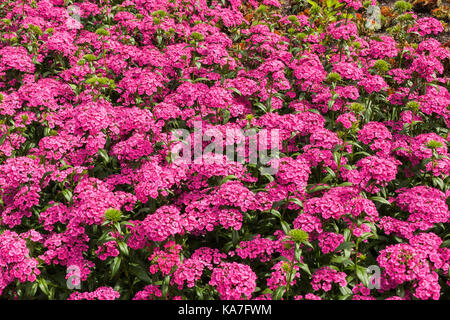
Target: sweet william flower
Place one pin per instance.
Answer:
(233, 281)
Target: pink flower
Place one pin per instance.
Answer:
(233, 281)
(102, 293)
(324, 277)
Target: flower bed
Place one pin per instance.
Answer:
(314, 160)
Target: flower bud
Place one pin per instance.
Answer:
(102, 32)
(298, 235)
(402, 6)
(113, 215)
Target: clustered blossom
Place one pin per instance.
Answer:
(325, 277)
(15, 58)
(15, 260)
(360, 292)
(427, 25)
(127, 151)
(233, 281)
(102, 293)
(280, 274)
(346, 119)
(329, 241)
(108, 249)
(378, 136)
(257, 248)
(191, 270)
(165, 260)
(375, 171)
(355, 4)
(339, 30)
(149, 292)
(293, 173)
(416, 263)
(308, 296)
(424, 204)
(159, 226)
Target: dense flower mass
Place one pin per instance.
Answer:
(233, 281)
(185, 149)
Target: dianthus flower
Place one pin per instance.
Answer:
(324, 277)
(15, 260)
(233, 281)
(377, 171)
(279, 275)
(102, 293)
(165, 260)
(427, 25)
(150, 292)
(329, 241)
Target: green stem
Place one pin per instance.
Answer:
(356, 260)
(289, 275)
(411, 133)
(291, 268)
(104, 58)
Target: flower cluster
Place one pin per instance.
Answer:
(233, 281)
(102, 293)
(185, 149)
(325, 277)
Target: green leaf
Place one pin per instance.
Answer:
(285, 226)
(298, 254)
(339, 259)
(308, 244)
(345, 291)
(296, 201)
(123, 248)
(361, 272)
(165, 286)
(305, 268)
(235, 237)
(44, 287)
(200, 79)
(362, 152)
(276, 213)
(381, 200)
(3, 138)
(261, 106)
(345, 245)
(438, 182)
(318, 188)
(330, 172)
(140, 272)
(267, 291)
(104, 154)
(115, 266)
(345, 184)
(279, 293)
(327, 178)
(227, 178)
(268, 176)
(331, 103)
(226, 116)
(67, 195)
(235, 90)
(446, 244)
(45, 176)
(31, 290)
